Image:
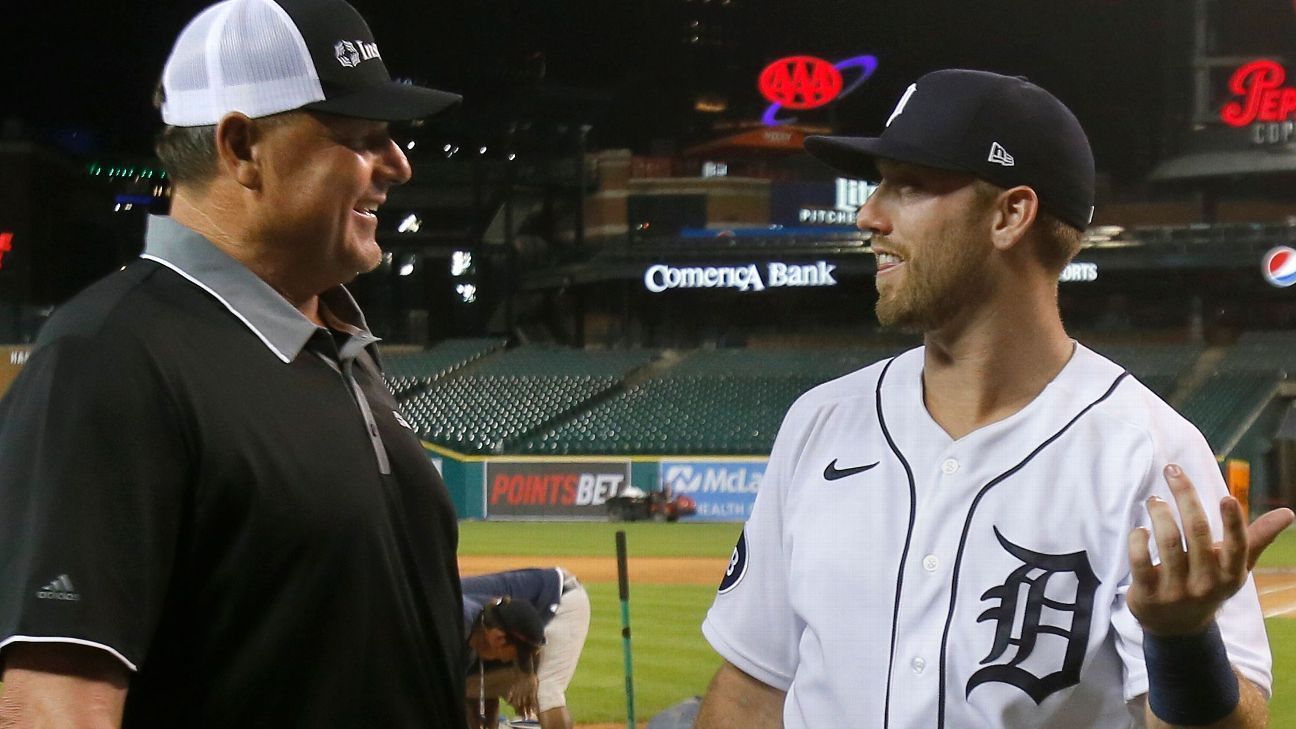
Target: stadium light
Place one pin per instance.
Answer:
(461, 262)
(410, 224)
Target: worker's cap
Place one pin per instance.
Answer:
(523, 627)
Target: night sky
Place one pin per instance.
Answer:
(92, 65)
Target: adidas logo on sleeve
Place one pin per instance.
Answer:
(59, 589)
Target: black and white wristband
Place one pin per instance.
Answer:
(1190, 679)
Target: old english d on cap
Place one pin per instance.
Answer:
(1002, 129)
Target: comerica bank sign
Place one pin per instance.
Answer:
(749, 277)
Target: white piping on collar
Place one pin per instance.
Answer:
(285, 358)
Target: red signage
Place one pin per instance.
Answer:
(6, 245)
(1264, 99)
(800, 82)
(553, 489)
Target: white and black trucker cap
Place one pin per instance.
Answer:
(263, 57)
(1003, 129)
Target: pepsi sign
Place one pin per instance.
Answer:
(1280, 267)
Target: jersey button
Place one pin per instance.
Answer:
(949, 466)
(918, 665)
(930, 563)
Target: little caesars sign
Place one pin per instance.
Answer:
(660, 277)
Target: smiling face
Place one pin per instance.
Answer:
(930, 233)
(325, 176)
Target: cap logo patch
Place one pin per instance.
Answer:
(901, 104)
(351, 54)
(1000, 156)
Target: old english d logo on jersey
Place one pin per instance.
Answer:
(1045, 578)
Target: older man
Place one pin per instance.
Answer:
(211, 514)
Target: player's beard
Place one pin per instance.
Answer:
(938, 284)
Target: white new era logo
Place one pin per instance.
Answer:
(401, 419)
(1000, 156)
(59, 589)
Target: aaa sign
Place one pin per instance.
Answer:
(800, 82)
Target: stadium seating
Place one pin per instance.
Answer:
(1157, 365)
(716, 402)
(689, 414)
(508, 395)
(535, 360)
(478, 414)
(475, 397)
(1225, 403)
(1262, 352)
(409, 372)
(823, 364)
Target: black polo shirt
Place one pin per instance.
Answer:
(197, 479)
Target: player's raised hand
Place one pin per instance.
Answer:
(1181, 595)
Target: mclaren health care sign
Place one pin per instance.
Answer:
(553, 489)
(724, 490)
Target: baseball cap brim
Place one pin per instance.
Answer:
(391, 101)
(857, 156)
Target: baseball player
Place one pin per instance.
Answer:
(986, 531)
(563, 609)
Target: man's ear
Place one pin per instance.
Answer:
(236, 139)
(1013, 214)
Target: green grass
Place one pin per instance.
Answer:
(1282, 641)
(564, 539)
(1282, 553)
(672, 661)
(1282, 638)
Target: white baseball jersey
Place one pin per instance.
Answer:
(890, 576)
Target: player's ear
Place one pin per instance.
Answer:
(1011, 215)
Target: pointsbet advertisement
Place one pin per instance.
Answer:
(568, 490)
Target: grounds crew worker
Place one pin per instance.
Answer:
(563, 608)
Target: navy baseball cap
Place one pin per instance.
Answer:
(1002, 129)
(522, 625)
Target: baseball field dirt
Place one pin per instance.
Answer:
(1277, 592)
(1277, 586)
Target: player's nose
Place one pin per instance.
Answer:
(870, 217)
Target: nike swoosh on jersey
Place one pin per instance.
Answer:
(832, 473)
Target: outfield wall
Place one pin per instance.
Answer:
(577, 487)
